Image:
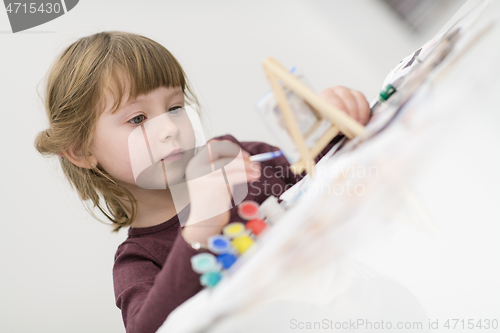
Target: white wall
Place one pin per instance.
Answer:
(55, 259)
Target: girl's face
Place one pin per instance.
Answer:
(133, 143)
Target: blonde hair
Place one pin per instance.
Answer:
(74, 100)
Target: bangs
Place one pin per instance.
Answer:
(138, 65)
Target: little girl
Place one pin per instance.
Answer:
(102, 90)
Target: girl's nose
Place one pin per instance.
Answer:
(160, 133)
(161, 128)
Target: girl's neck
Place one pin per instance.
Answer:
(158, 206)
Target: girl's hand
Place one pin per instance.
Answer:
(209, 194)
(350, 101)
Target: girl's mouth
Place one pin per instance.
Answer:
(173, 157)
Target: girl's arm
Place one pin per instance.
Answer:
(279, 166)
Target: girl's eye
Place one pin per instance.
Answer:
(136, 123)
(175, 109)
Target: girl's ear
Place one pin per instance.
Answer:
(76, 157)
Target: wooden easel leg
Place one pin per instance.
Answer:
(290, 121)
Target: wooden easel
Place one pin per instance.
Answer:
(341, 122)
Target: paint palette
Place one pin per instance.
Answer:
(236, 239)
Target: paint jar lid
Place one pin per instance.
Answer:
(226, 260)
(219, 244)
(210, 279)
(248, 210)
(271, 210)
(204, 262)
(256, 226)
(242, 243)
(234, 229)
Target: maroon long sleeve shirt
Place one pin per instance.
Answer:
(152, 273)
